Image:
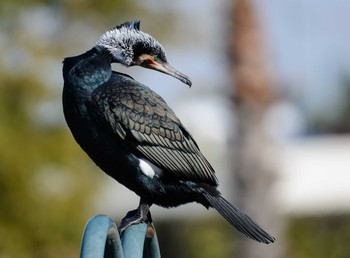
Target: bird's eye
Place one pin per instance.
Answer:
(156, 58)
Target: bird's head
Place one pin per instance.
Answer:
(129, 46)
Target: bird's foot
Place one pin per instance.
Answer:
(141, 214)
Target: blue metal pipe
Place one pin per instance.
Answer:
(101, 240)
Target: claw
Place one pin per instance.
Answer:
(141, 214)
(150, 230)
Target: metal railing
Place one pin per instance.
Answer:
(101, 240)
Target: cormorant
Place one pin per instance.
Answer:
(133, 135)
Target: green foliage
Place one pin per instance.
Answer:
(44, 190)
(321, 237)
(207, 238)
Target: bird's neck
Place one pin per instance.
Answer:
(88, 71)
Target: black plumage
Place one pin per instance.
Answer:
(133, 135)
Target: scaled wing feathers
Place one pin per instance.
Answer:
(142, 118)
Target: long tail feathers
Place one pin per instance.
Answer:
(237, 218)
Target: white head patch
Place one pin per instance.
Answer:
(122, 40)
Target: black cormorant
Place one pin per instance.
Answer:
(133, 135)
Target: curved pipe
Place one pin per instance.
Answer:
(101, 239)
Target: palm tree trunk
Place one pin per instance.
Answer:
(253, 168)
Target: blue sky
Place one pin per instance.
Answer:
(308, 41)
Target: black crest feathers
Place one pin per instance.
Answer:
(130, 24)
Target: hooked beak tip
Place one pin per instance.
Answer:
(188, 82)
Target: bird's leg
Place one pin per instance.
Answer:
(141, 214)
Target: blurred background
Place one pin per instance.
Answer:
(269, 107)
